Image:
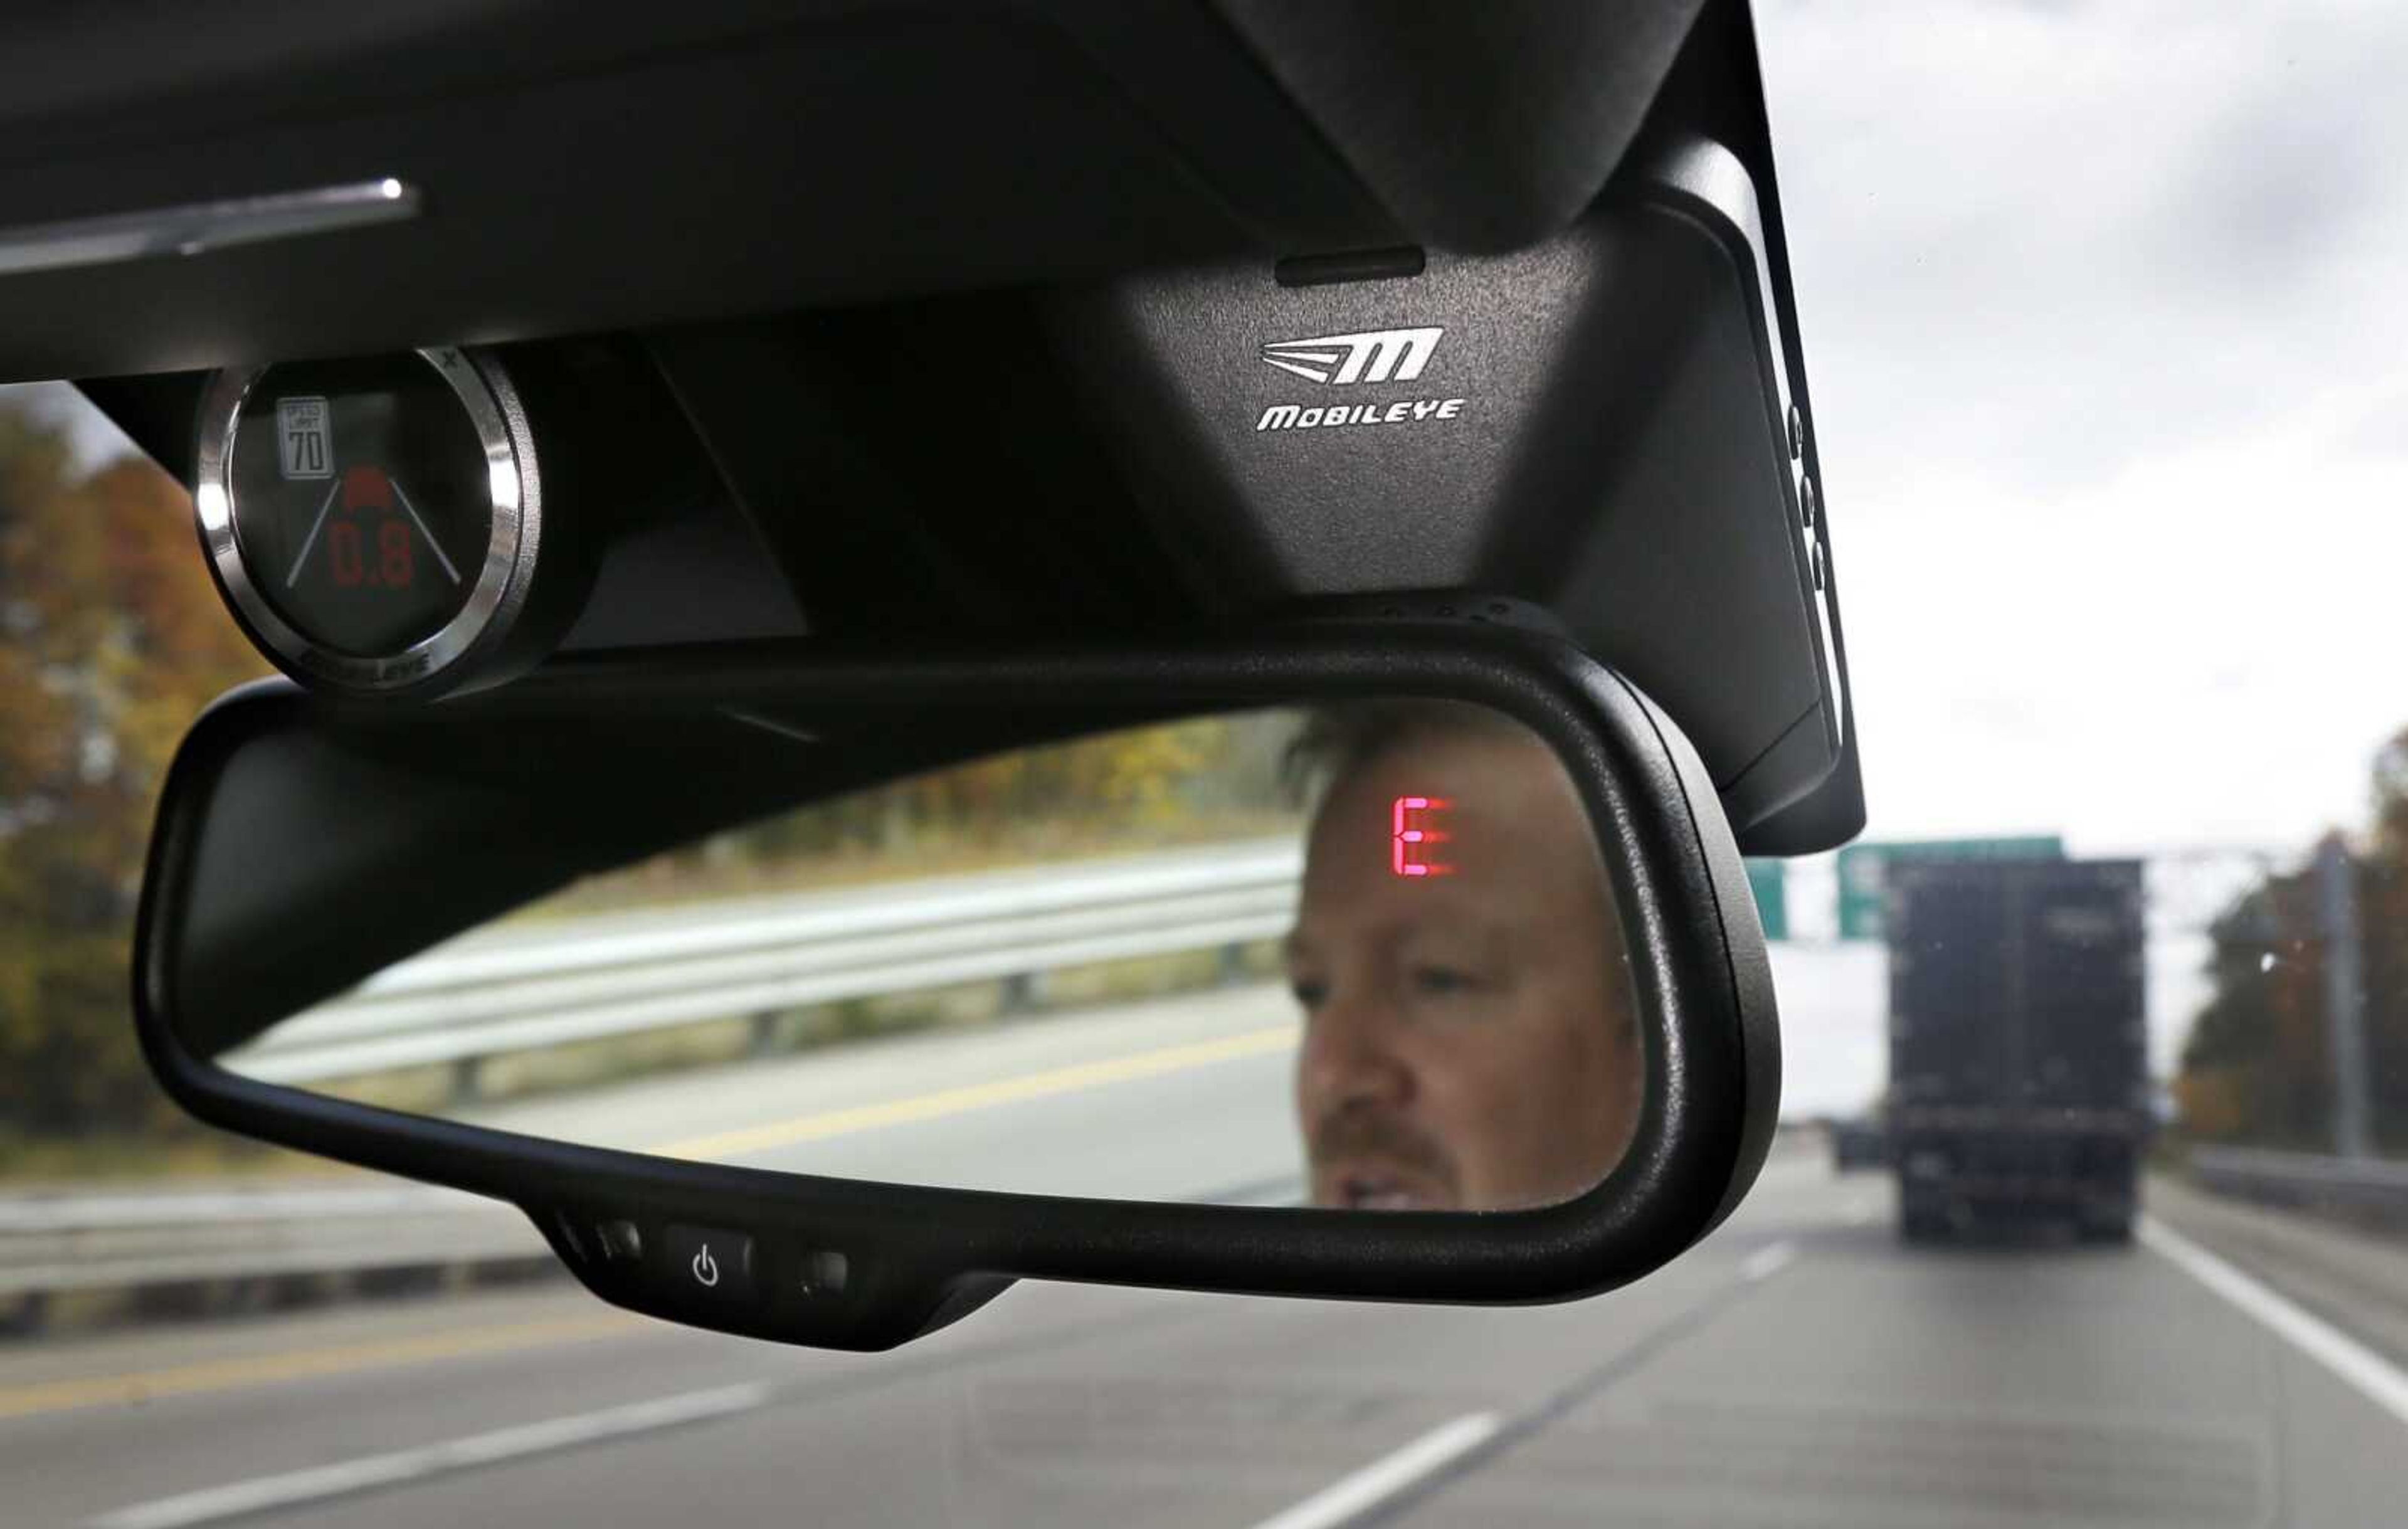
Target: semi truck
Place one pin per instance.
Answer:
(2018, 1086)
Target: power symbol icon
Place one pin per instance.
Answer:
(719, 1259)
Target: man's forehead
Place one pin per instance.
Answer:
(1490, 798)
(1511, 846)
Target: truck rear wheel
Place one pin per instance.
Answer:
(2106, 1231)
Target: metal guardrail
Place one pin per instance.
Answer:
(53, 1246)
(619, 975)
(2371, 1187)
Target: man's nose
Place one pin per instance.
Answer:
(1348, 1058)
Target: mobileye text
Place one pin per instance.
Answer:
(1288, 416)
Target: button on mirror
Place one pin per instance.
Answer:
(710, 1261)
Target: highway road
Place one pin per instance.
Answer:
(1799, 1368)
(1184, 1097)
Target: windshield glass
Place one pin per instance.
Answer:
(2090, 1203)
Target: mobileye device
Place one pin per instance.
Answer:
(1609, 425)
(1605, 424)
(406, 525)
(376, 522)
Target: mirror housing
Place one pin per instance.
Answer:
(284, 818)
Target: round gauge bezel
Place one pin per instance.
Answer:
(504, 577)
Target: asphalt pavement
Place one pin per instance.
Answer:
(1183, 1097)
(1801, 1368)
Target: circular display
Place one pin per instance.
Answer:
(370, 519)
(359, 489)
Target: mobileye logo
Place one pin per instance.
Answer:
(1378, 355)
(1381, 356)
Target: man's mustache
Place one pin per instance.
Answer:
(1368, 1131)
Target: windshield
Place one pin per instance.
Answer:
(2091, 1202)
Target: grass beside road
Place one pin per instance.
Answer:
(672, 881)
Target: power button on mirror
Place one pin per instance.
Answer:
(709, 1263)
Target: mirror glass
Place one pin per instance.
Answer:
(1363, 956)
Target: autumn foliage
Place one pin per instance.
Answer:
(2256, 1068)
(111, 639)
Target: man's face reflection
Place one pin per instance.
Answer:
(1470, 1042)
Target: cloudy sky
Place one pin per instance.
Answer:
(2106, 319)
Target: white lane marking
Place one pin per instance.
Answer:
(1351, 1496)
(414, 515)
(257, 1495)
(1769, 1261)
(311, 540)
(2373, 1376)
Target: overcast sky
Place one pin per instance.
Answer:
(2106, 322)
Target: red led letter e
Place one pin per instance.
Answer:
(1409, 841)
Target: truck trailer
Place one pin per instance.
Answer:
(2018, 1044)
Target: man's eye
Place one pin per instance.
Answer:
(1441, 981)
(1309, 994)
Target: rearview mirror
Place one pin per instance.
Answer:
(819, 1000)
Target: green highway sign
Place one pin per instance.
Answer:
(1772, 889)
(1862, 875)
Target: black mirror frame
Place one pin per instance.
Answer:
(918, 1258)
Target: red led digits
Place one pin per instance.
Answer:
(1408, 841)
(366, 489)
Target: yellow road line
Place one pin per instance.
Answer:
(1008, 1091)
(304, 1364)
